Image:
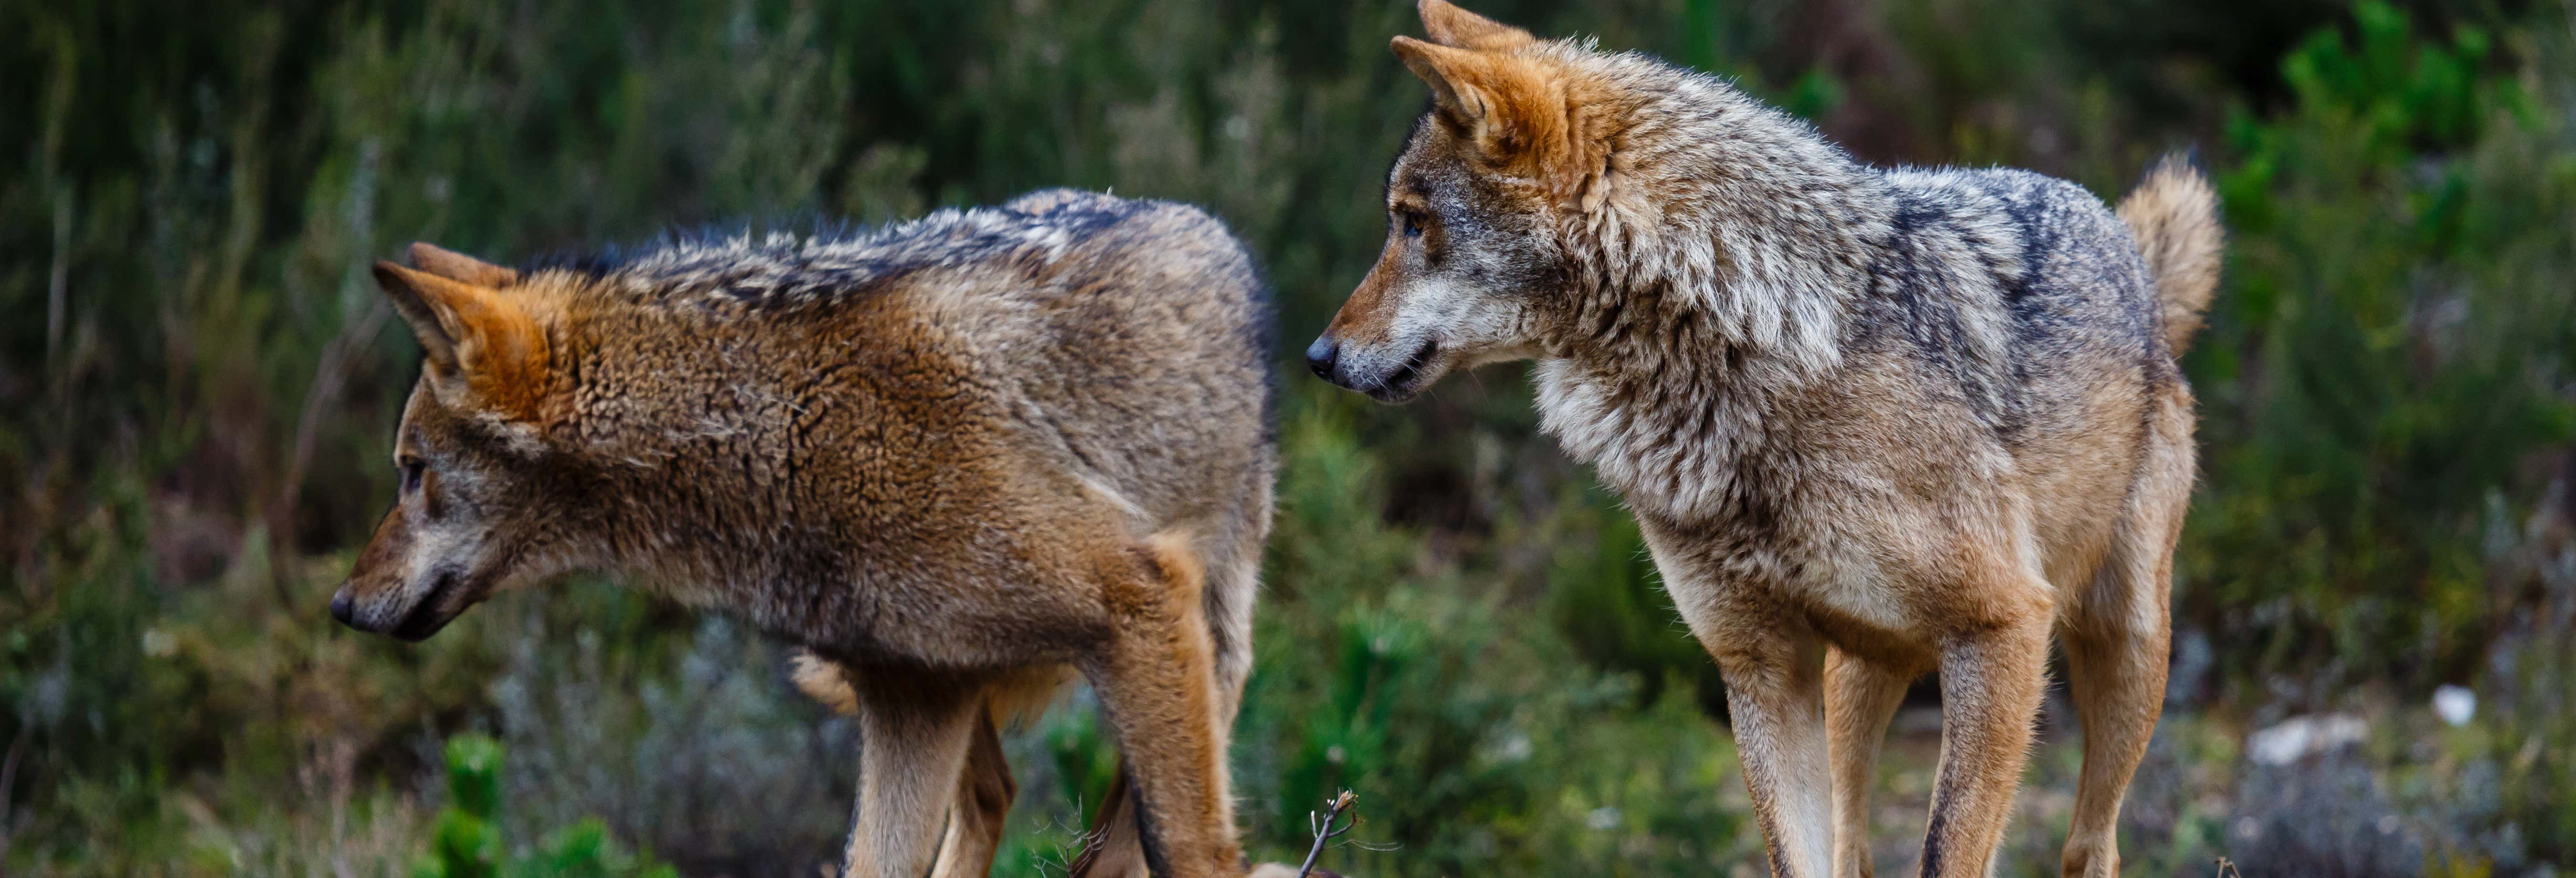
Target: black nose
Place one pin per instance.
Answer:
(1321, 355)
(342, 607)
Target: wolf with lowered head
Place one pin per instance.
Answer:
(1873, 423)
(961, 461)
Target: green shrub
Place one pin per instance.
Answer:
(2369, 381)
(467, 840)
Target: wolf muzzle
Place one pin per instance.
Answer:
(1382, 379)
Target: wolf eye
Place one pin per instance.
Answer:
(1412, 224)
(411, 469)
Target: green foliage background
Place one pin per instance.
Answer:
(197, 383)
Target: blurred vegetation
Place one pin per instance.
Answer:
(196, 397)
(466, 841)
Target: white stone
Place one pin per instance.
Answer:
(2455, 704)
(2298, 737)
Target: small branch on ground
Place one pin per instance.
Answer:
(1322, 824)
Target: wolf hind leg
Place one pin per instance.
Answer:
(1156, 682)
(2118, 639)
(1991, 682)
(1112, 849)
(2116, 674)
(1860, 698)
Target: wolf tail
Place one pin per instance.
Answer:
(1011, 700)
(2174, 214)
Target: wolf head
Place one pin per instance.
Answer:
(1558, 200)
(1475, 205)
(473, 513)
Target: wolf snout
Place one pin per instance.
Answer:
(1323, 356)
(1370, 369)
(388, 613)
(342, 608)
(347, 610)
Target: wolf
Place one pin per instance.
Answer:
(960, 461)
(1872, 423)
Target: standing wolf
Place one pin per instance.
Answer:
(1872, 423)
(958, 460)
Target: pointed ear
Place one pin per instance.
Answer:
(1507, 105)
(1462, 81)
(1451, 26)
(459, 267)
(437, 347)
(473, 339)
(1528, 116)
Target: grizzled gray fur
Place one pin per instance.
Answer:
(1873, 423)
(960, 460)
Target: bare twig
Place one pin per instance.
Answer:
(2227, 869)
(1322, 824)
(58, 282)
(9, 781)
(329, 374)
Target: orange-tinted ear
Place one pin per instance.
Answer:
(1451, 26)
(1490, 96)
(1515, 110)
(459, 267)
(473, 338)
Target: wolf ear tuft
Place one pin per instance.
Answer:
(1451, 26)
(1499, 100)
(459, 267)
(1515, 110)
(472, 338)
(1443, 69)
(437, 347)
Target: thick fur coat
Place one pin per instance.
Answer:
(1873, 423)
(959, 460)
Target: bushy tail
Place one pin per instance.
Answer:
(1013, 699)
(2174, 214)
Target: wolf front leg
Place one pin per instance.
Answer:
(1773, 664)
(1156, 681)
(1860, 698)
(1775, 698)
(915, 735)
(984, 793)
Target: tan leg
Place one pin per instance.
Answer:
(984, 793)
(1231, 637)
(1111, 849)
(1155, 680)
(914, 740)
(1991, 681)
(2119, 690)
(2119, 640)
(1860, 698)
(1773, 665)
(2116, 656)
(1775, 697)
